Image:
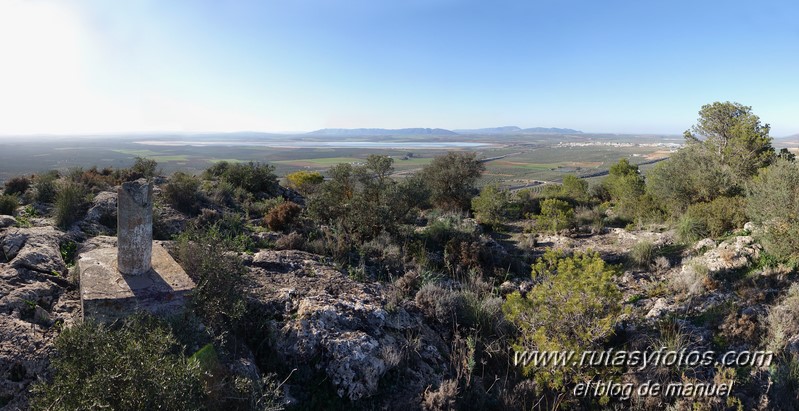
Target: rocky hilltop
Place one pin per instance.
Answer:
(352, 290)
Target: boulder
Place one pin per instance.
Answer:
(7, 221)
(338, 326)
(102, 214)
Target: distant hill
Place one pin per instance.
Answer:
(552, 130)
(349, 132)
(519, 130)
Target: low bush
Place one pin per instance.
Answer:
(254, 177)
(692, 279)
(45, 187)
(181, 192)
(490, 207)
(691, 229)
(556, 215)
(290, 241)
(305, 181)
(441, 304)
(722, 215)
(217, 298)
(643, 253)
(283, 216)
(70, 204)
(141, 168)
(8, 203)
(782, 321)
(573, 306)
(17, 185)
(139, 365)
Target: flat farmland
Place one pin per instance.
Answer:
(509, 162)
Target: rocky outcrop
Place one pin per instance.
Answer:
(35, 297)
(102, 215)
(34, 248)
(341, 328)
(733, 254)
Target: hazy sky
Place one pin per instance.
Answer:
(598, 65)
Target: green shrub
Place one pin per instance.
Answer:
(643, 253)
(490, 207)
(305, 181)
(17, 185)
(46, 188)
(143, 168)
(181, 192)
(691, 229)
(217, 298)
(70, 204)
(773, 203)
(556, 215)
(8, 203)
(253, 177)
(722, 215)
(139, 365)
(573, 306)
(283, 216)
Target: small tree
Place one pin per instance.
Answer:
(451, 179)
(574, 188)
(734, 134)
(626, 187)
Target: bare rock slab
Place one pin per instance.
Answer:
(106, 294)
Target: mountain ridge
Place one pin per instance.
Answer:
(509, 130)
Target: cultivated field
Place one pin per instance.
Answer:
(512, 161)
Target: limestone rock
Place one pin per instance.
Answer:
(706, 243)
(732, 254)
(29, 304)
(7, 221)
(35, 248)
(102, 215)
(340, 325)
(660, 307)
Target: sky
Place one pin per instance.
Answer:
(73, 66)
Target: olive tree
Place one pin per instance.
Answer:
(451, 179)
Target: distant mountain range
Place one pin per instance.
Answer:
(382, 132)
(519, 130)
(509, 130)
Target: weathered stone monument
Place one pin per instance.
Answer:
(138, 274)
(135, 227)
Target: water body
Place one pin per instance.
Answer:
(317, 144)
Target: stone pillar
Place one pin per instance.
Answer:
(135, 227)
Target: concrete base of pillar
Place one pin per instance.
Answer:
(107, 295)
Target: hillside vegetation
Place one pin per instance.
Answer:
(355, 290)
